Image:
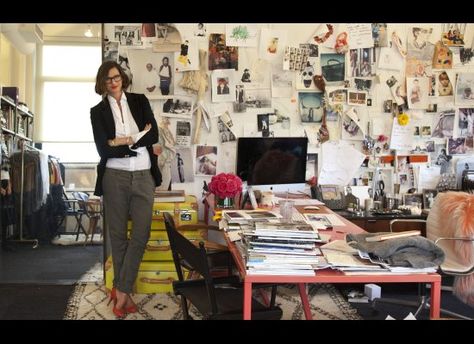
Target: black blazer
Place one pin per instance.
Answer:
(103, 126)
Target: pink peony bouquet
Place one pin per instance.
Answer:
(225, 185)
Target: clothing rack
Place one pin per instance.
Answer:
(23, 144)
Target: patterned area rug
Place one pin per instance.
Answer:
(89, 302)
(70, 240)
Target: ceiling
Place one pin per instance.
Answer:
(67, 31)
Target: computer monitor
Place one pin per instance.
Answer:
(277, 162)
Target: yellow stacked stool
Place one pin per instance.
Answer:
(157, 270)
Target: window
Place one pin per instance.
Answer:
(66, 92)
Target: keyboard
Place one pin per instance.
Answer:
(297, 216)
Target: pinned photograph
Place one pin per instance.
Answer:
(457, 146)
(333, 67)
(295, 59)
(111, 51)
(444, 86)
(168, 38)
(387, 106)
(465, 122)
(222, 56)
(465, 89)
(223, 85)
(357, 98)
(453, 34)
(183, 133)
(310, 107)
(129, 35)
(426, 131)
(182, 166)
(258, 98)
(206, 160)
(379, 34)
(178, 106)
(153, 72)
(336, 95)
(239, 103)
(362, 62)
(225, 134)
(430, 146)
(263, 124)
(429, 196)
(200, 31)
(443, 124)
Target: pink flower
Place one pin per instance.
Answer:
(225, 185)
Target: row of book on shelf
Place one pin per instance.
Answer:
(273, 247)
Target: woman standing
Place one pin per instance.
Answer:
(124, 131)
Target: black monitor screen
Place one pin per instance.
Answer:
(272, 160)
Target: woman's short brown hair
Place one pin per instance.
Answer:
(103, 74)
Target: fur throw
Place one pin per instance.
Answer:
(452, 215)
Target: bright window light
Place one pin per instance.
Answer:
(71, 61)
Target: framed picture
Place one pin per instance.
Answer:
(413, 199)
(428, 197)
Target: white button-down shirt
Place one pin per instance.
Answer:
(125, 126)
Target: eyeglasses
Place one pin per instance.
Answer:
(115, 78)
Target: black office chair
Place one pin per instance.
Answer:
(216, 298)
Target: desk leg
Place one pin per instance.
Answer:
(304, 301)
(247, 300)
(435, 300)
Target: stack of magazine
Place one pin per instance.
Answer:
(278, 248)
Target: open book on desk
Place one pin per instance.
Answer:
(299, 201)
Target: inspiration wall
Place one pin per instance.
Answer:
(212, 83)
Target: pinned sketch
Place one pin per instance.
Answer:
(360, 36)
(241, 35)
(417, 90)
(187, 58)
(272, 44)
(282, 83)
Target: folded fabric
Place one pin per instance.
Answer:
(416, 251)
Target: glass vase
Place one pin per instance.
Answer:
(224, 203)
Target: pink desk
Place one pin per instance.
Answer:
(332, 276)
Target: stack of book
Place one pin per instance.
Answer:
(165, 196)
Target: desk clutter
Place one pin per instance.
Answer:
(271, 245)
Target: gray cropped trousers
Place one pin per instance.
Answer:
(127, 193)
